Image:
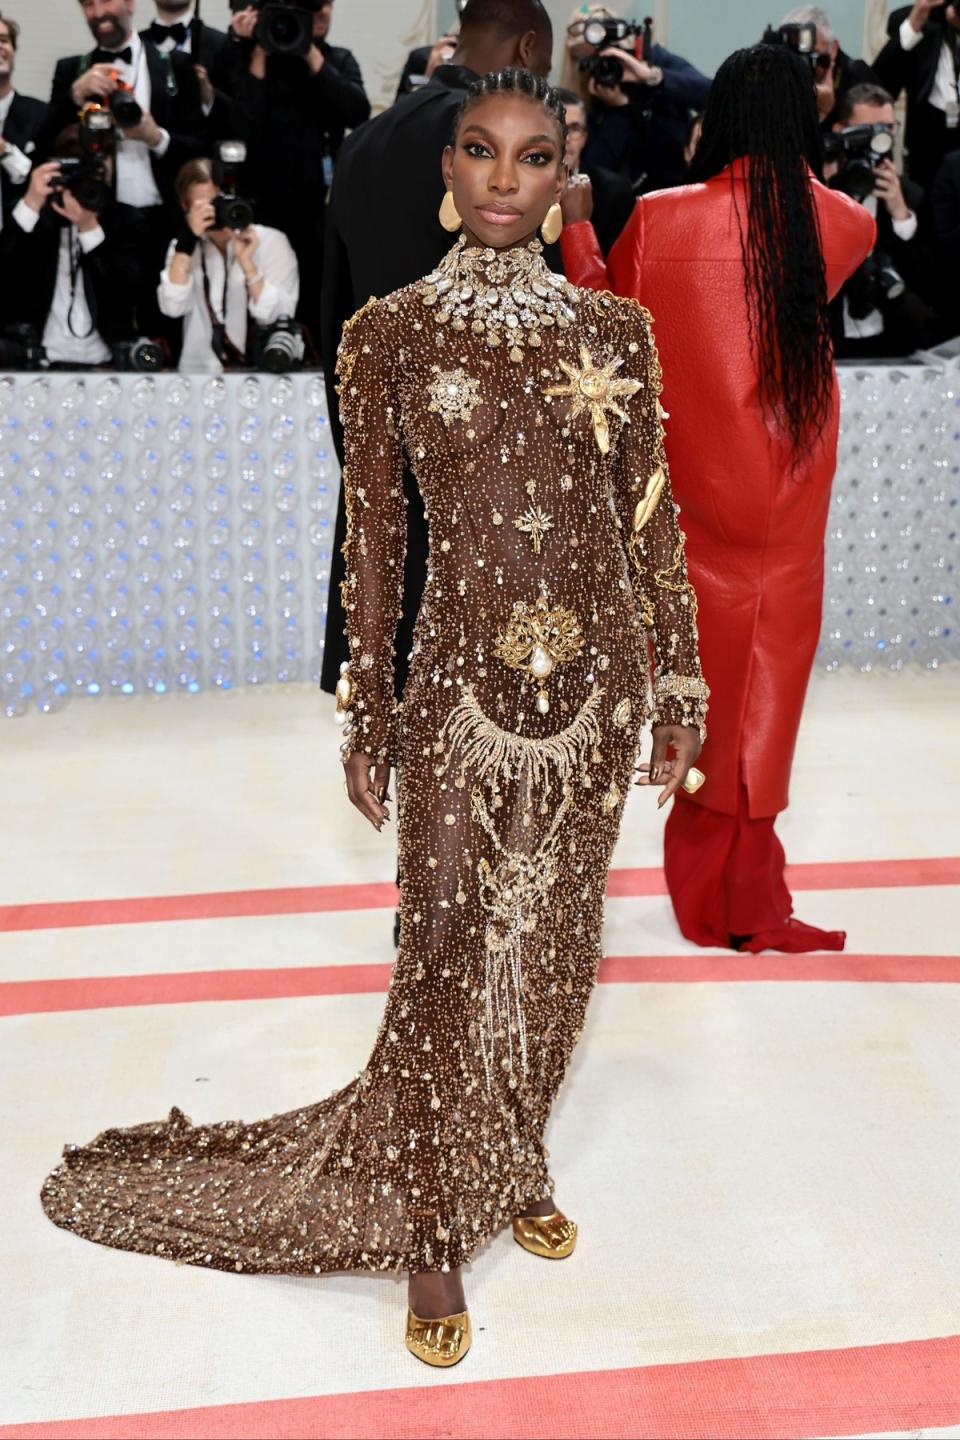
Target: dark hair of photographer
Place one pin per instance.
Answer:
(761, 110)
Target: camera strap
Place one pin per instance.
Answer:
(227, 353)
(76, 266)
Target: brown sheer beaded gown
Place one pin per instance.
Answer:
(528, 409)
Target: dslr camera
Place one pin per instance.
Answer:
(231, 210)
(140, 355)
(285, 27)
(801, 37)
(601, 32)
(279, 347)
(858, 149)
(85, 175)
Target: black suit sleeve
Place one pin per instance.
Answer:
(339, 84)
(945, 209)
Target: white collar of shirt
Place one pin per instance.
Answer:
(5, 104)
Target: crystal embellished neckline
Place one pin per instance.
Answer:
(508, 296)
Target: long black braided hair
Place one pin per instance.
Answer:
(761, 107)
(515, 82)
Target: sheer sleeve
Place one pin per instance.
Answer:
(655, 545)
(375, 546)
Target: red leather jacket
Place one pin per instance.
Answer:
(754, 529)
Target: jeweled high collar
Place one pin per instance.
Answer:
(507, 295)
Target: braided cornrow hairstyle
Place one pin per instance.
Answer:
(515, 82)
(761, 108)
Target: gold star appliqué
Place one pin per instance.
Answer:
(535, 523)
(595, 389)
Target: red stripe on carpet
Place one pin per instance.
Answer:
(881, 1388)
(314, 899)
(33, 997)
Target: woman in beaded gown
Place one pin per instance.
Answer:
(529, 412)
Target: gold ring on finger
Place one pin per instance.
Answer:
(694, 779)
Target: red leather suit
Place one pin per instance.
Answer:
(754, 530)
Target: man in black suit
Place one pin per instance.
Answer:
(150, 151)
(383, 232)
(613, 196)
(178, 29)
(75, 275)
(922, 56)
(885, 307)
(21, 122)
(293, 112)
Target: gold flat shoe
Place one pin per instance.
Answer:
(438, 1342)
(552, 1236)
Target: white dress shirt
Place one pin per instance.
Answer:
(135, 182)
(275, 261)
(15, 164)
(944, 94)
(69, 335)
(872, 324)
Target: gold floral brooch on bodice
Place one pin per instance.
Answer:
(537, 638)
(595, 389)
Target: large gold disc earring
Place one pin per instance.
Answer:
(449, 214)
(552, 224)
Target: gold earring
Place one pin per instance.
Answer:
(552, 224)
(449, 214)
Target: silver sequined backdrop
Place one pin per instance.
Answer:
(175, 533)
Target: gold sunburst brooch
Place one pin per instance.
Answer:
(595, 389)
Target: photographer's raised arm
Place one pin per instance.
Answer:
(339, 86)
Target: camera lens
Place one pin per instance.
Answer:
(607, 70)
(595, 32)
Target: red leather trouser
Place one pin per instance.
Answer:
(725, 877)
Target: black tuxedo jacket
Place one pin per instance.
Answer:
(913, 70)
(212, 49)
(613, 202)
(23, 128)
(179, 113)
(109, 274)
(945, 216)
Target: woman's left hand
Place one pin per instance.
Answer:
(671, 774)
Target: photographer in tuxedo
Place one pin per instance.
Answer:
(75, 280)
(21, 122)
(155, 101)
(922, 56)
(179, 30)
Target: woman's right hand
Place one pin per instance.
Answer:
(201, 217)
(367, 782)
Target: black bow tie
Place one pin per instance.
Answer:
(177, 32)
(110, 57)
